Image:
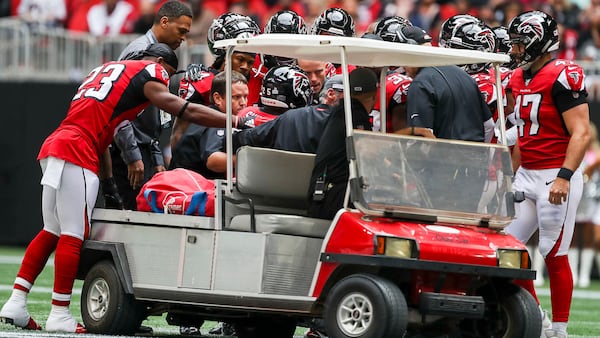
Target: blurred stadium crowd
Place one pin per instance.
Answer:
(579, 19)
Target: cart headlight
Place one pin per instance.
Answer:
(396, 247)
(513, 259)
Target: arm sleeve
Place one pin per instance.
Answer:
(157, 154)
(213, 140)
(488, 127)
(127, 143)
(420, 105)
(263, 135)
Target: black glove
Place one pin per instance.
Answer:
(245, 122)
(112, 199)
(194, 72)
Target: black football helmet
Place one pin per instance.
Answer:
(388, 28)
(230, 26)
(448, 26)
(285, 87)
(389, 24)
(286, 21)
(333, 21)
(503, 44)
(473, 36)
(536, 30)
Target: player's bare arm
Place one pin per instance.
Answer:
(160, 96)
(577, 123)
(179, 127)
(105, 165)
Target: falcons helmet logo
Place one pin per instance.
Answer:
(301, 86)
(532, 25)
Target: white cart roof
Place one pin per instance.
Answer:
(360, 52)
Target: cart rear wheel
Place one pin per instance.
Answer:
(105, 307)
(366, 306)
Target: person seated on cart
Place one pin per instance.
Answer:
(201, 149)
(297, 129)
(284, 87)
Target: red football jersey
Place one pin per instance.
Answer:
(197, 91)
(396, 89)
(260, 116)
(109, 95)
(257, 74)
(487, 85)
(543, 137)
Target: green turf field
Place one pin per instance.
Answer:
(583, 322)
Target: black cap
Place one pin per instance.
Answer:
(363, 80)
(414, 35)
(164, 51)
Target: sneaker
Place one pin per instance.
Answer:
(144, 330)
(312, 333)
(16, 314)
(546, 323)
(63, 323)
(224, 329)
(555, 334)
(189, 331)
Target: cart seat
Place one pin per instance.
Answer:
(283, 224)
(276, 181)
(273, 173)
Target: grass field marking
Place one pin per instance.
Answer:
(579, 294)
(37, 289)
(5, 259)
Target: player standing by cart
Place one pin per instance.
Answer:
(554, 131)
(71, 164)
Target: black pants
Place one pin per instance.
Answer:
(331, 203)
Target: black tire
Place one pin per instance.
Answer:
(105, 307)
(262, 327)
(365, 306)
(510, 312)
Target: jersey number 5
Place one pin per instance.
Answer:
(528, 105)
(100, 82)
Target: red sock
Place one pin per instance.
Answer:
(35, 259)
(66, 263)
(527, 284)
(561, 286)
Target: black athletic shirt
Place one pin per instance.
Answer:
(297, 129)
(447, 100)
(331, 160)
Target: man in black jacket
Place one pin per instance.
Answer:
(330, 173)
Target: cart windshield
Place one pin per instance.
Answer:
(435, 179)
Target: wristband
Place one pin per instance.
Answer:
(565, 173)
(185, 105)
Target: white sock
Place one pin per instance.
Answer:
(560, 326)
(18, 296)
(60, 311)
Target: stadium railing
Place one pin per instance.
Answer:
(29, 53)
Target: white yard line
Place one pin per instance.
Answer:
(17, 260)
